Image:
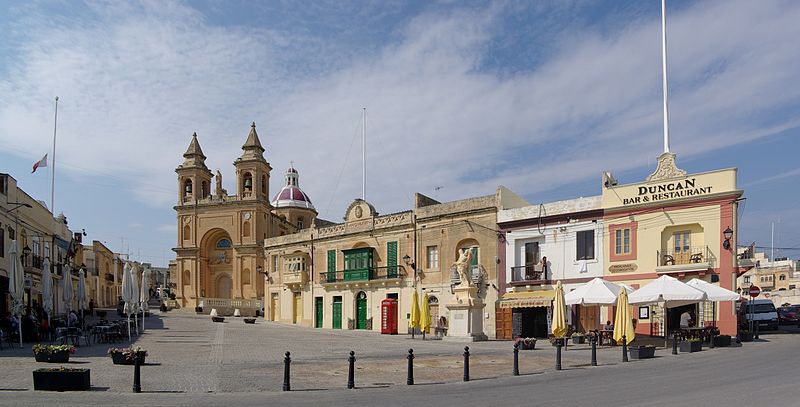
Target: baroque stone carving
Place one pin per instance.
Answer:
(462, 266)
(666, 168)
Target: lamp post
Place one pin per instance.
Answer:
(26, 251)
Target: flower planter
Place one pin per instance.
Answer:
(642, 352)
(56, 357)
(689, 347)
(721, 341)
(577, 340)
(218, 319)
(249, 320)
(529, 346)
(61, 380)
(121, 359)
(746, 336)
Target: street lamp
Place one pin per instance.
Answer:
(728, 234)
(26, 251)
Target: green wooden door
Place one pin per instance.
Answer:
(361, 311)
(318, 304)
(391, 259)
(337, 313)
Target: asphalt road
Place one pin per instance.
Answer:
(759, 373)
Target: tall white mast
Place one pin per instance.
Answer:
(364, 154)
(53, 169)
(664, 71)
(772, 247)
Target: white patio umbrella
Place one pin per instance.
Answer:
(595, 292)
(47, 289)
(128, 294)
(67, 294)
(135, 284)
(713, 293)
(16, 285)
(81, 292)
(668, 291)
(144, 293)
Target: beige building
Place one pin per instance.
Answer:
(101, 268)
(337, 275)
(779, 280)
(41, 235)
(220, 235)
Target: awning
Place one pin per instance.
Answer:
(527, 299)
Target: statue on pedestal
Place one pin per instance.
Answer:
(462, 266)
(220, 192)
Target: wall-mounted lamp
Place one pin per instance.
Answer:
(260, 270)
(409, 263)
(727, 234)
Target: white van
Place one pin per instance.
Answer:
(763, 313)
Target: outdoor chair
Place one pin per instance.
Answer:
(669, 260)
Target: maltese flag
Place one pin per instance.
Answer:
(40, 163)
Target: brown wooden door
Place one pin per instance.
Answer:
(503, 325)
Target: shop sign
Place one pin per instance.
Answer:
(666, 191)
(623, 268)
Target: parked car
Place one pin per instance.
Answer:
(788, 315)
(763, 313)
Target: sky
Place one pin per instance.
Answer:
(461, 97)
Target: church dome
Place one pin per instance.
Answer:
(291, 196)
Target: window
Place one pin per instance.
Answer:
(746, 279)
(585, 242)
(47, 249)
(274, 263)
(782, 277)
(531, 254)
(35, 240)
(433, 257)
(623, 241)
(682, 241)
(299, 223)
(331, 260)
(224, 243)
(295, 264)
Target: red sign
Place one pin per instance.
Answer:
(754, 291)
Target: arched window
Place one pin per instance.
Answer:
(300, 222)
(223, 243)
(204, 191)
(247, 182)
(187, 188)
(782, 277)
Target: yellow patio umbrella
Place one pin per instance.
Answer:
(413, 323)
(425, 317)
(623, 323)
(559, 324)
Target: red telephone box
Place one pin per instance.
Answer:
(389, 316)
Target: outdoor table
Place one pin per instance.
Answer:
(67, 333)
(693, 333)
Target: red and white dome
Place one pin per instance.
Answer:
(291, 196)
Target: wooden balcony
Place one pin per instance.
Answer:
(295, 278)
(687, 260)
(370, 276)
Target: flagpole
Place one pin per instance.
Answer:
(663, 72)
(53, 170)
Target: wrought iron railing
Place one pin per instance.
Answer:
(685, 255)
(363, 274)
(536, 274)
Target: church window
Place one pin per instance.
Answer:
(223, 244)
(248, 182)
(187, 187)
(300, 223)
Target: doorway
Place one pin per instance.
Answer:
(361, 310)
(274, 304)
(318, 304)
(674, 316)
(297, 314)
(337, 312)
(224, 286)
(533, 322)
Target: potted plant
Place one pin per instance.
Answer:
(126, 356)
(642, 351)
(249, 320)
(61, 379)
(691, 345)
(578, 338)
(525, 343)
(52, 353)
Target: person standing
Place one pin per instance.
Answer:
(686, 319)
(91, 306)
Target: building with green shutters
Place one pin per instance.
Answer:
(335, 276)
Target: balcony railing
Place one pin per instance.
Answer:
(363, 274)
(295, 277)
(529, 275)
(694, 255)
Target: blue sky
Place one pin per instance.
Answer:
(538, 96)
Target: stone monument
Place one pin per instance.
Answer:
(466, 307)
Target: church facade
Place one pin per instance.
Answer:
(219, 252)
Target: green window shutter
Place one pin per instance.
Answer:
(391, 259)
(474, 261)
(331, 260)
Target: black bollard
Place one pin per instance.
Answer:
(558, 354)
(516, 359)
(137, 380)
(594, 350)
(624, 348)
(351, 372)
(466, 363)
(675, 343)
(410, 377)
(286, 361)
(756, 335)
(711, 345)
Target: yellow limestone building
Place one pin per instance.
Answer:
(337, 275)
(220, 236)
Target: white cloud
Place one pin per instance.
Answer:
(137, 83)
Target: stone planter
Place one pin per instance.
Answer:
(198, 310)
(57, 357)
(218, 319)
(249, 320)
(689, 347)
(577, 340)
(721, 341)
(119, 359)
(642, 352)
(62, 380)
